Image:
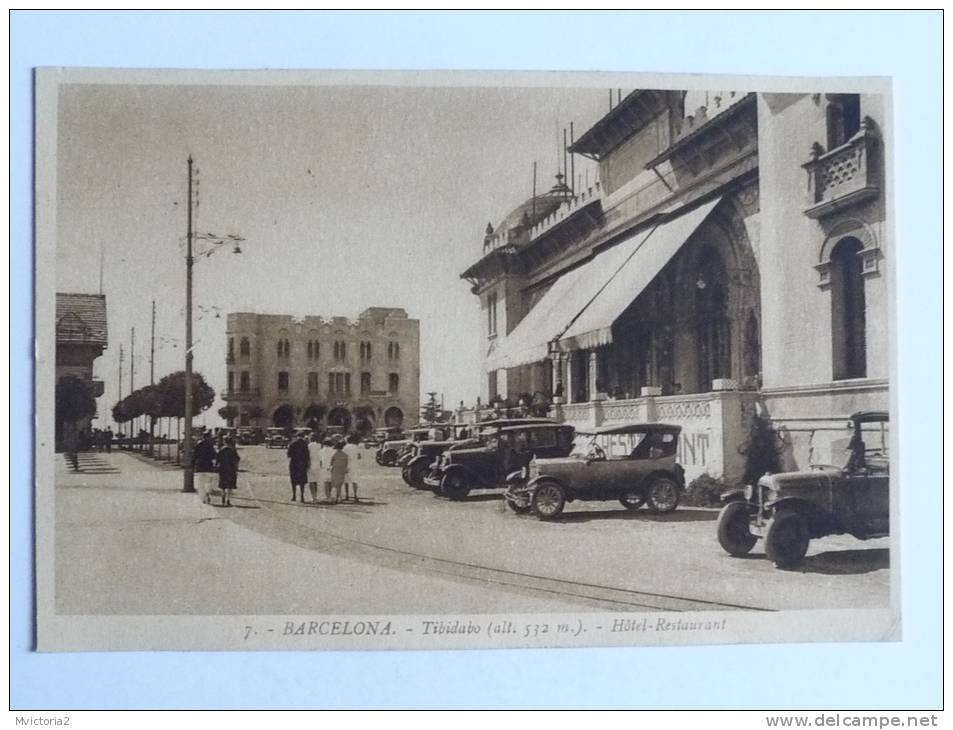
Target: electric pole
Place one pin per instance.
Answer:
(119, 425)
(132, 373)
(152, 347)
(188, 475)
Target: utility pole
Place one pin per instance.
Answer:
(188, 475)
(132, 374)
(152, 347)
(119, 425)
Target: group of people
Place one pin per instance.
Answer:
(224, 460)
(326, 461)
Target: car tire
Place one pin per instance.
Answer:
(389, 457)
(734, 532)
(787, 539)
(405, 475)
(417, 474)
(632, 500)
(662, 494)
(520, 507)
(548, 501)
(454, 486)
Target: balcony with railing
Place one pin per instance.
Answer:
(843, 176)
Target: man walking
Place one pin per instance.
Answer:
(298, 461)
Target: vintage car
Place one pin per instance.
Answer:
(390, 452)
(633, 463)
(504, 449)
(790, 508)
(248, 436)
(276, 438)
(376, 439)
(418, 462)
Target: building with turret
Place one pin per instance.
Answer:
(354, 374)
(731, 259)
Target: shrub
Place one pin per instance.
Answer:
(705, 491)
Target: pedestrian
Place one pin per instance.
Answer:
(109, 440)
(353, 454)
(228, 459)
(338, 470)
(298, 459)
(327, 452)
(203, 458)
(314, 466)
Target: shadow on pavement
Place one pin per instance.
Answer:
(845, 562)
(679, 515)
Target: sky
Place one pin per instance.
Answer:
(347, 197)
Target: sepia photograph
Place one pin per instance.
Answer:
(442, 360)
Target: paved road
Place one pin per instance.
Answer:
(401, 550)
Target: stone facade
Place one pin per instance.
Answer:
(775, 302)
(354, 374)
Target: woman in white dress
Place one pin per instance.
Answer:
(314, 467)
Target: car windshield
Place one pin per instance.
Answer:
(607, 445)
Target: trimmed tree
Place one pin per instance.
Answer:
(229, 413)
(430, 411)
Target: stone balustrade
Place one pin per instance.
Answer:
(842, 176)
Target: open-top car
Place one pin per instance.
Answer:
(788, 509)
(633, 463)
(504, 448)
(276, 438)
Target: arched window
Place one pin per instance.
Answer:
(848, 311)
(393, 383)
(713, 330)
(244, 348)
(365, 383)
(843, 118)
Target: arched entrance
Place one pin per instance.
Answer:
(393, 417)
(363, 420)
(712, 327)
(283, 417)
(313, 415)
(339, 418)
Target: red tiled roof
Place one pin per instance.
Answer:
(81, 318)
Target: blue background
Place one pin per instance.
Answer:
(904, 45)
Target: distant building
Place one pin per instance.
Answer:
(81, 337)
(730, 259)
(355, 374)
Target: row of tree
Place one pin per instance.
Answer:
(165, 399)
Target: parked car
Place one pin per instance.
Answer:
(377, 439)
(249, 436)
(421, 455)
(390, 452)
(504, 449)
(788, 509)
(633, 463)
(276, 438)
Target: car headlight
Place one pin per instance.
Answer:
(532, 471)
(749, 492)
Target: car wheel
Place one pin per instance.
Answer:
(405, 475)
(417, 474)
(632, 500)
(662, 495)
(734, 532)
(787, 538)
(389, 458)
(454, 486)
(520, 505)
(377, 458)
(548, 501)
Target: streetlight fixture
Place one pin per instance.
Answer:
(188, 472)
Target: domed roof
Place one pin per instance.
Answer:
(524, 215)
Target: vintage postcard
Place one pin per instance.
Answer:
(405, 360)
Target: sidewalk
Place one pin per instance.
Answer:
(129, 542)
